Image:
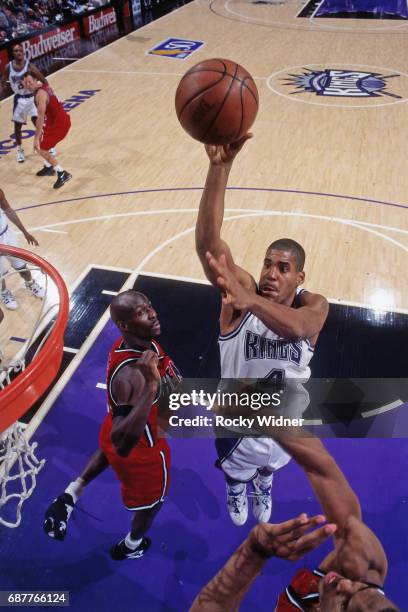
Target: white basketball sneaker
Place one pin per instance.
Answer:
(8, 299)
(261, 499)
(35, 289)
(237, 503)
(20, 155)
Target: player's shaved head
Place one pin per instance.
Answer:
(124, 304)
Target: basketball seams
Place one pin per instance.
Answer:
(222, 110)
(249, 89)
(196, 95)
(221, 105)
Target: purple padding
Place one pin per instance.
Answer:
(192, 536)
(397, 8)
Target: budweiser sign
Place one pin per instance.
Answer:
(99, 21)
(50, 41)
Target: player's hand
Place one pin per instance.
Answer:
(292, 539)
(233, 293)
(220, 155)
(30, 239)
(148, 365)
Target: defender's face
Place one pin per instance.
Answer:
(18, 53)
(279, 277)
(143, 322)
(30, 83)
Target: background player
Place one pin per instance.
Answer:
(52, 126)
(23, 104)
(139, 374)
(8, 237)
(266, 332)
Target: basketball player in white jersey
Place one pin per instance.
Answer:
(23, 104)
(267, 331)
(8, 237)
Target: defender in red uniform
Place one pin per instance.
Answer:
(139, 376)
(52, 125)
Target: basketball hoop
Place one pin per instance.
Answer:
(19, 391)
(23, 379)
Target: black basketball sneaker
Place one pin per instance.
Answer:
(63, 177)
(46, 171)
(120, 551)
(57, 516)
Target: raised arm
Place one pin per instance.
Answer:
(337, 498)
(289, 540)
(211, 211)
(134, 388)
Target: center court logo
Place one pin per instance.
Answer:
(344, 83)
(345, 86)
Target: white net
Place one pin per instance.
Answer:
(18, 472)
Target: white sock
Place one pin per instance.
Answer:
(19, 147)
(47, 164)
(75, 488)
(236, 488)
(59, 168)
(265, 481)
(131, 543)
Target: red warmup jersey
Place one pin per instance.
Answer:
(54, 113)
(121, 356)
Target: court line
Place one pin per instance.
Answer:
(78, 358)
(248, 212)
(143, 73)
(242, 18)
(365, 415)
(173, 189)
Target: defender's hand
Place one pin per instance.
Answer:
(148, 365)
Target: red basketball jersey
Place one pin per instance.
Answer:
(54, 113)
(121, 356)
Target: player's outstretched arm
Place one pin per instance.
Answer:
(289, 540)
(14, 218)
(134, 388)
(337, 498)
(211, 211)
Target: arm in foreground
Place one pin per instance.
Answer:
(289, 540)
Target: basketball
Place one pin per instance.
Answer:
(217, 101)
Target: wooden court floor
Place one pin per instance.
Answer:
(328, 171)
